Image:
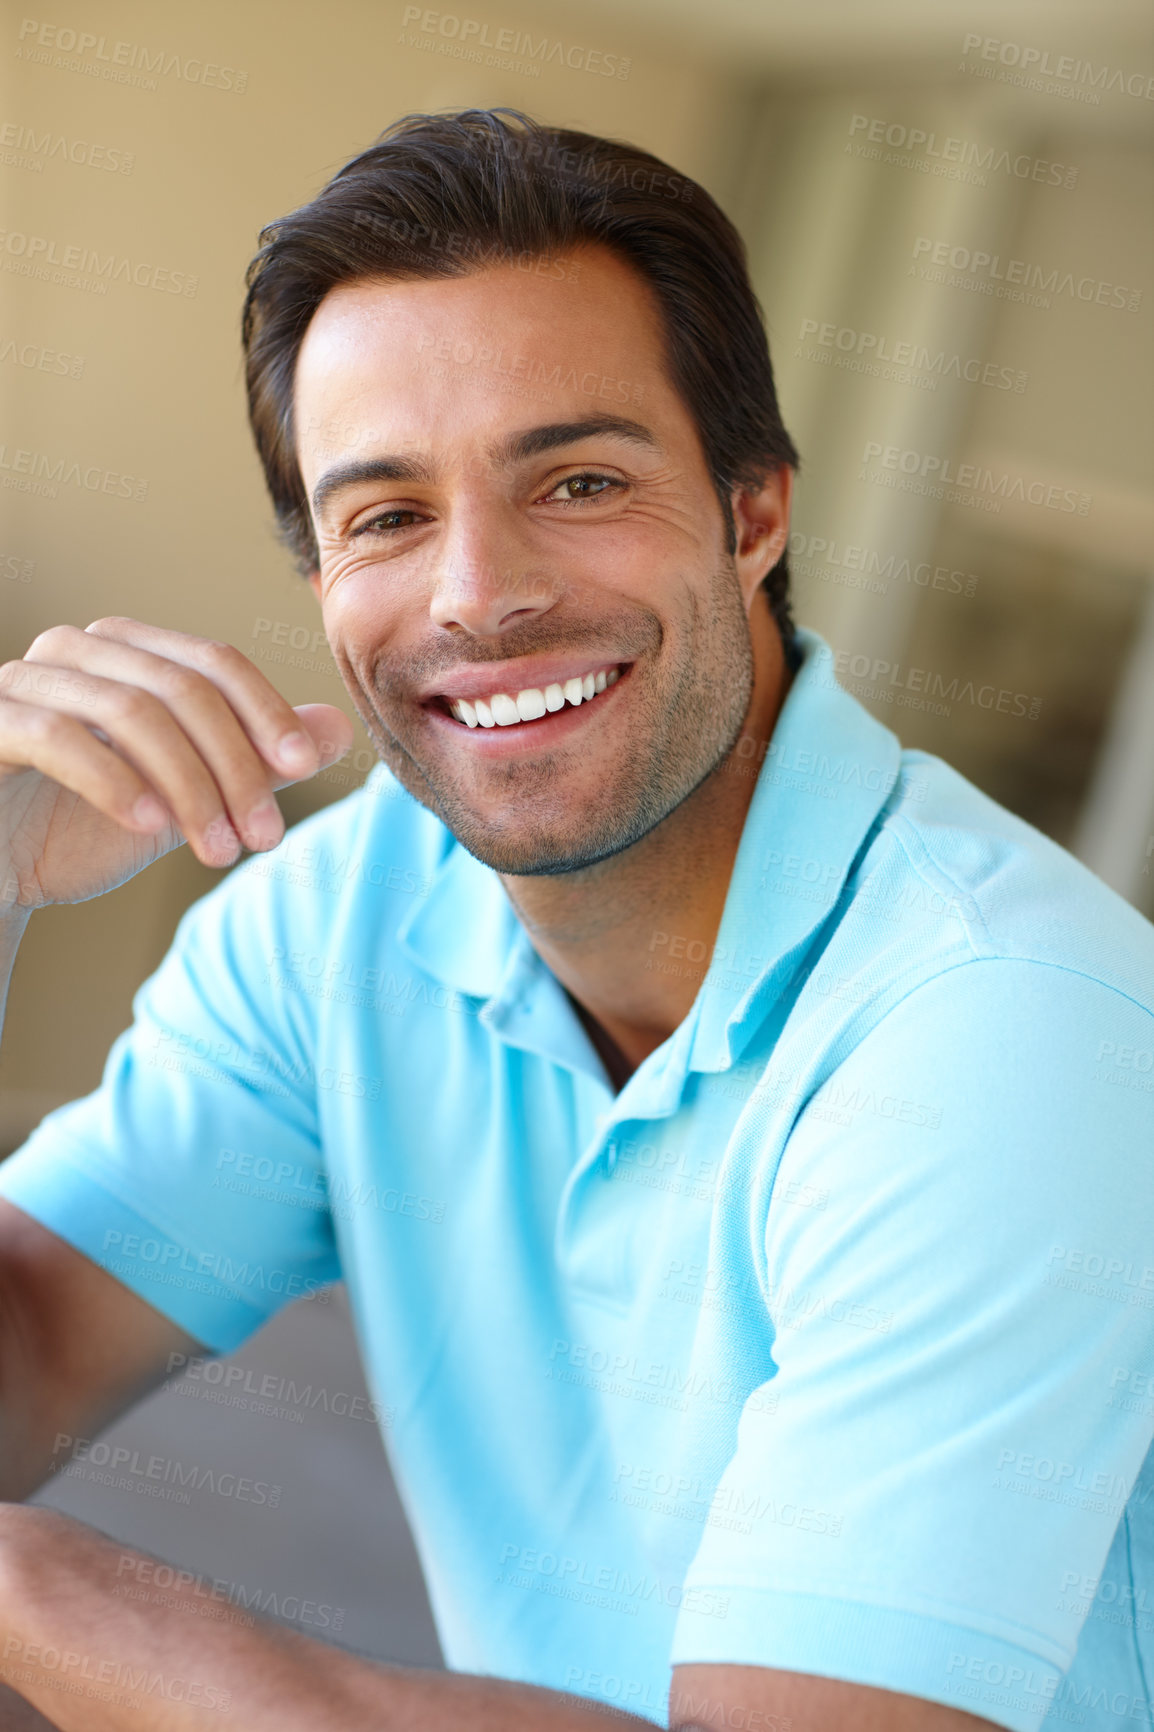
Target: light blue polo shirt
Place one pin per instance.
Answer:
(826, 1345)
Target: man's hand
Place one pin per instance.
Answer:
(94, 721)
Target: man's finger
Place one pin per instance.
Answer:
(136, 653)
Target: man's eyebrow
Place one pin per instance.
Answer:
(532, 442)
(537, 440)
(343, 475)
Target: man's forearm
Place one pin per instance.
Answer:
(96, 1656)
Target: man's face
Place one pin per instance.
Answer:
(510, 497)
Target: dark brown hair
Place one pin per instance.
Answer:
(439, 195)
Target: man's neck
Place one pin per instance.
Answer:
(600, 930)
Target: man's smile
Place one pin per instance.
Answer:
(513, 704)
(544, 710)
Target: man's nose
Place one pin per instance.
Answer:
(486, 581)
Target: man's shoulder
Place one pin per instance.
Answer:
(976, 881)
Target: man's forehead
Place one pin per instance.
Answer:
(547, 301)
(513, 345)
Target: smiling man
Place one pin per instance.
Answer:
(719, 1116)
(546, 631)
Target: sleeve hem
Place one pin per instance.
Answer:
(887, 1648)
(171, 1277)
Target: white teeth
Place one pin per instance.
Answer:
(530, 704)
(502, 709)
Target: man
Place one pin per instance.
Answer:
(720, 1117)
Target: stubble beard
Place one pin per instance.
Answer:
(679, 735)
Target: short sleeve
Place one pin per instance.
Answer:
(959, 1269)
(194, 1173)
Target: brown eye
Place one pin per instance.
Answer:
(385, 521)
(587, 485)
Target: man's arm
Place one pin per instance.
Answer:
(91, 721)
(87, 1639)
(77, 1347)
(757, 1699)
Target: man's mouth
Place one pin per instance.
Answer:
(504, 709)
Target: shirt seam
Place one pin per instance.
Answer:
(921, 984)
(905, 834)
(978, 960)
(959, 1615)
(66, 1156)
(901, 828)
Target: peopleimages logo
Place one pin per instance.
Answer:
(43, 473)
(128, 1470)
(97, 1677)
(926, 472)
(41, 256)
(885, 678)
(1039, 63)
(472, 34)
(69, 50)
(24, 147)
(974, 267)
(881, 356)
(36, 358)
(576, 1573)
(914, 147)
(818, 555)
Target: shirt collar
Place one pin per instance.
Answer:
(465, 930)
(828, 771)
(466, 934)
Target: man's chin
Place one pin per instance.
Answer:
(541, 853)
(541, 820)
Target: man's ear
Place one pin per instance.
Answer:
(314, 581)
(761, 525)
